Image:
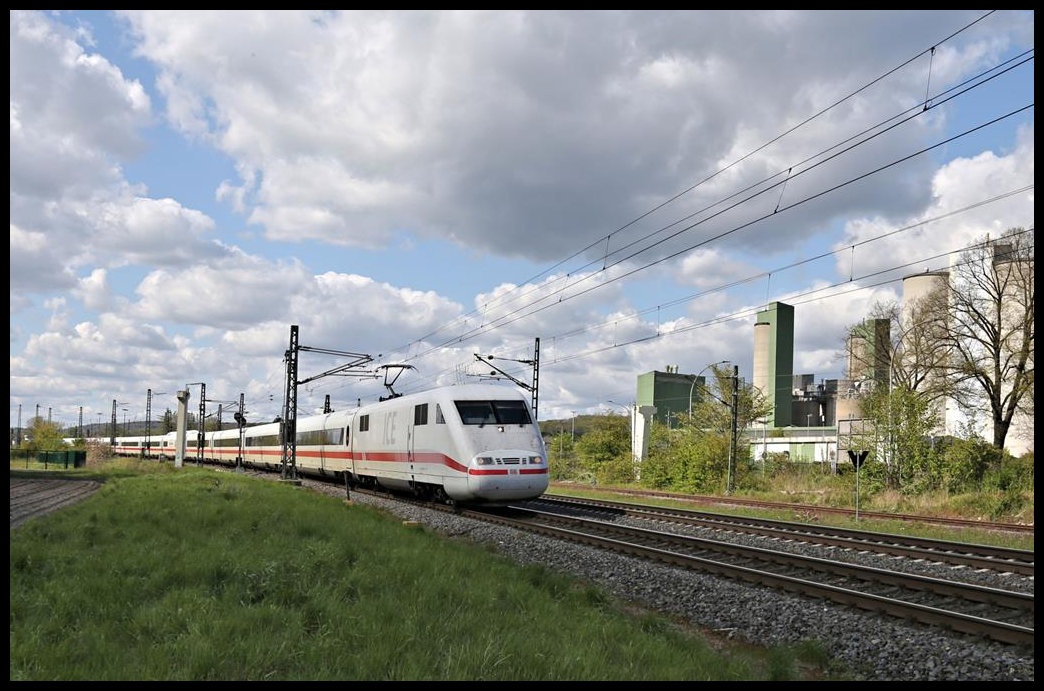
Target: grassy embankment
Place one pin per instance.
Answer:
(193, 574)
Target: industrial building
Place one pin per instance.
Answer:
(814, 422)
(669, 392)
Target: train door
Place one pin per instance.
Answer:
(411, 440)
(349, 445)
(322, 448)
(419, 433)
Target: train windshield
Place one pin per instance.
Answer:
(493, 412)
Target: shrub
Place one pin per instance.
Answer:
(966, 463)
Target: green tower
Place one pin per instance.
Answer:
(774, 360)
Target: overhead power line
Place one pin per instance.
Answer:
(510, 317)
(725, 168)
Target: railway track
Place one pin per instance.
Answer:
(997, 614)
(813, 509)
(970, 555)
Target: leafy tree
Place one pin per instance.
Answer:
(562, 461)
(660, 468)
(902, 422)
(967, 461)
(605, 450)
(43, 436)
(695, 457)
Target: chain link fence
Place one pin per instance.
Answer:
(48, 460)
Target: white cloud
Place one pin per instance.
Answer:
(709, 268)
(74, 118)
(36, 263)
(147, 232)
(959, 184)
(530, 133)
(94, 291)
(232, 292)
(70, 111)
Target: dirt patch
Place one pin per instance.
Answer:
(32, 497)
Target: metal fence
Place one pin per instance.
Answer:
(49, 460)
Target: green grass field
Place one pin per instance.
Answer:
(199, 575)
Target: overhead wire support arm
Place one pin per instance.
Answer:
(288, 427)
(534, 387)
(341, 370)
(516, 380)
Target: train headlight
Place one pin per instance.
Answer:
(535, 460)
(484, 460)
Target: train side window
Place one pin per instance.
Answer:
(420, 414)
(364, 423)
(347, 432)
(439, 419)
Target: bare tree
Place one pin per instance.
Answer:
(913, 350)
(990, 330)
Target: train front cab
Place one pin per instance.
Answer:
(506, 475)
(508, 460)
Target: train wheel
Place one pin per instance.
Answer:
(442, 497)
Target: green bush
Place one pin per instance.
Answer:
(1012, 475)
(966, 462)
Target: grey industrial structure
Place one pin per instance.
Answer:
(809, 421)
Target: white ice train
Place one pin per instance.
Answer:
(476, 443)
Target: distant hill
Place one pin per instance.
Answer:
(578, 426)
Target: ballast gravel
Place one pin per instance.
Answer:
(870, 647)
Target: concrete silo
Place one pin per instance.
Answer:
(870, 351)
(924, 311)
(917, 290)
(774, 360)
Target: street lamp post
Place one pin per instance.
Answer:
(697, 378)
(734, 417)
(630, 414)
(735, 420)
(148, 419)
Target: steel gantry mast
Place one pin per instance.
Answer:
(200, 436)
(288, 470)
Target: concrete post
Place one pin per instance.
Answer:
(179, 437)
(640, 443)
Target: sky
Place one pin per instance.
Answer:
(421, 187)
